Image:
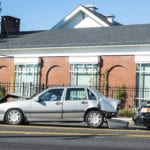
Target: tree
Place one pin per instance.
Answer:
(121, 94)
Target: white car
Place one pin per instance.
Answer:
(61, 104)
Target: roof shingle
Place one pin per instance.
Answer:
(114, 35)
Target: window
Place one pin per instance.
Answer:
(52, 95)
(76, 94)
(91, 96)
(29, 73)
(85, 74)
(143, 83)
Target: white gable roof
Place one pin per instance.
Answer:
(83, 17)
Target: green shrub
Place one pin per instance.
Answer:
(121, 94)
(2, 91)
(127, 113)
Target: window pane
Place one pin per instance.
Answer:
(52, 95)
(85, 74)
(76, 94)
(26, 74)
(91, 96)
(143, 83)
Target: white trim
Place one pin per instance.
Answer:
(75, 12)
(142, 59)
(84, 59)
(79, 51)
(94, 17)
(26, 61)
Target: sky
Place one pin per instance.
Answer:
(44, 14)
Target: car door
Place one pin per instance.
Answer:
(48, 106)
(75, 103)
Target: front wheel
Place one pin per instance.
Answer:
(14, 117)
(94, 119)
(148, 127)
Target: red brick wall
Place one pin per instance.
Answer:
(125, 75)
(124, 71)
(6, 72)
(59, 73)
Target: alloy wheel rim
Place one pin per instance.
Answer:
(14, 117)
(94, 119)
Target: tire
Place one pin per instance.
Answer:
(148, 127)
(94, 119)
(14, 117)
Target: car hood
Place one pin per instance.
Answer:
(109, 104)
(12, 97)
(25, 104)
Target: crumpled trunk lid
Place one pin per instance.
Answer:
(109, 105)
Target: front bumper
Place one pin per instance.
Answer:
(142, 120)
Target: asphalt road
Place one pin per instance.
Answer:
(70, 137)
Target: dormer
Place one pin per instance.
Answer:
(85, 17)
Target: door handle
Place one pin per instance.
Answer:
(84, 102)
(58, 103)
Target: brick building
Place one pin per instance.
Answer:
(79, 50)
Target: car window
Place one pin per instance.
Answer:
(76, 94)
(52, 95)
(91, 95)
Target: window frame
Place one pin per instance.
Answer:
(142, 72)
(27, 71)
(75, 90)
(54, 94)
(92, 70)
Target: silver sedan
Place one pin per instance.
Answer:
(61, 104)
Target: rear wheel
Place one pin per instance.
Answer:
(94, 119)
(14, 117)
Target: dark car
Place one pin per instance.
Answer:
(143, 115)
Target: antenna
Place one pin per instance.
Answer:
(0, 7)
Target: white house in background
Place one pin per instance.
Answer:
(86, 17)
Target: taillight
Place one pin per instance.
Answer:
(118, 107)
